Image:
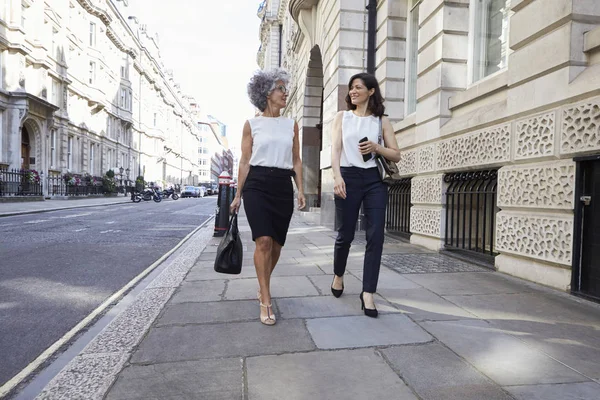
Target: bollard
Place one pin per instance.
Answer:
(223, 202)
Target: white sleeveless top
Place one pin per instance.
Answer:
(355, 128)
(272, 141)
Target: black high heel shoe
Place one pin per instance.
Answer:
(368, 311)
(337, 292)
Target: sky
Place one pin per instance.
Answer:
(211, 46)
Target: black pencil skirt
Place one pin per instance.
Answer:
(269, 202)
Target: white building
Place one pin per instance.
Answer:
(496, 108)
(84, 90)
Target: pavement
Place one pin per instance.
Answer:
(30, 207)
(447, 329)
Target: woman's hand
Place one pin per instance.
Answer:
(368, 147)
(235, 205)
(301, 201)
(339, 187)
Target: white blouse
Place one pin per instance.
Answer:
(355, 128)
(272, 142)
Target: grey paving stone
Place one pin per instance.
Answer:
(427, 263)
(199, 291)
(206, 379)
(389, 279)
(281, 286)
(502, 357)
(297, 269)
(202, 313)
(422, 305)
(347, 374)
(352, 285)
(563, 327)
(238, 339)
(362, 331)
(326, 306)
(85, 377)
(321, 260)
(461, 283)
(208, 273)
(434, 372)
(563, 391)
(128, 328)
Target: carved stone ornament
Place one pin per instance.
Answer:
(548, 238)
(427, 190)
(535, 136)
(427, 158)
(408, 162)
(544, 186)
(581, 127)
(426, 221)
(487, 146)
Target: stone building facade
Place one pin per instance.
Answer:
(494, 96)
(84, 90)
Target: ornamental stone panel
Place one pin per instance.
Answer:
(539, 186)
(427, 190)
(534, 136)
(427, 158)
(426, 221)
(548, 238)
(408, 162)
(581, 127)
(487, 146)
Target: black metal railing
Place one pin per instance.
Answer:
(20, 182)
(74, 185)
(398, 208)
(471, 211)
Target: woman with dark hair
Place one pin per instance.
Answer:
(270, 158)
(359, 134)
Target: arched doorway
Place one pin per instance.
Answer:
(25, 148)
(312, 129)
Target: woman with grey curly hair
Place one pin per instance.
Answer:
(270, 157)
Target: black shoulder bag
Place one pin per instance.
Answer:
(229, 252)
(388, 170)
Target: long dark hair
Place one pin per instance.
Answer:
(375, 101)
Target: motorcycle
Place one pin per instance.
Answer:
(170, 192)
(136, 196)
(152, 194)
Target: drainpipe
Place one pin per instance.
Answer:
(371, 35)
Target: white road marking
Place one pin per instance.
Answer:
(37, 221)
(76, 215)
(110, 222)
(110, 230)
(79, 230)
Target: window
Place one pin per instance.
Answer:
(155, 120)
(123, 95)
(92, 34)
(92, 158)
(92, 78)
(70, 153)
(109, 159)
(490, 37)
(53, 149)
(55, 92)
(412, 55)
(55, 51)
(23, 20)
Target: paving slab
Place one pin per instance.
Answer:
(565, 329)
(352, 285)
(238, 339)
(563, 391)
(463, 283)
(347, 374)
(206, 379)
(500, 356)
(281, 286)
(390, 279)
(436, 373)
(203, 273)
(199, 291)
(424, 305)
(326, 306)
(216, 312)
(297, 269)
(362, 331)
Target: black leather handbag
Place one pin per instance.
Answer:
(388, 170)
(230, 252)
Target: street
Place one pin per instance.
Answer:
(57, 267)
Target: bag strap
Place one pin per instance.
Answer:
(231, 222)
(379, 133)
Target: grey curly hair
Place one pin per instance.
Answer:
(263, 83)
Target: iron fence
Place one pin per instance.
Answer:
(20, 182)
(58, 186)
(471, 211)
(398, 208)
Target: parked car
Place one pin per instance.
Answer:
(201, 191)
(189, 191)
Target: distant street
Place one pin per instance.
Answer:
(57, 267)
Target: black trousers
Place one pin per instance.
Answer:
(363, 186)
